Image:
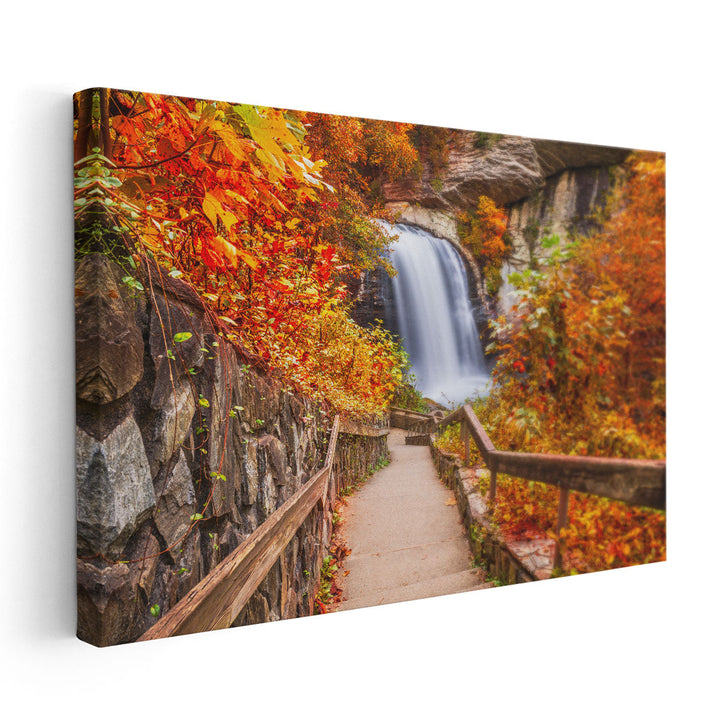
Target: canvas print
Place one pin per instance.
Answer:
(326, 362)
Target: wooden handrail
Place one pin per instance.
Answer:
(352, 427)
(635, 482)
(220, 596)
(419, 414)
(466, 415)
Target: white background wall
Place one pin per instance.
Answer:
(628, 643)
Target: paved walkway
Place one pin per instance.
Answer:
(405, 535)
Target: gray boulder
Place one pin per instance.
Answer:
(114, 488)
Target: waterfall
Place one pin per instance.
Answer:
(434, 318)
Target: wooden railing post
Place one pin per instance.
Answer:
(465, 434)
(562, 522)
(330, 459)
(493, 482)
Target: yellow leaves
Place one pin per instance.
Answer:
(236, 197)
(211, 206)
(284, 285)
(270, 199)
(208, 112)
(232, 141)
(213, 209)
(248, 258)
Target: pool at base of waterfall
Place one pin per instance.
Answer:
(456, 391)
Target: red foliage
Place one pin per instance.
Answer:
(227, 196)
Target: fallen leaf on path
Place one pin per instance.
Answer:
(451, 501)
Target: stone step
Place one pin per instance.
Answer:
(462, 581)
(406, 565)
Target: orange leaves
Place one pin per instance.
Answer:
(358, 153)
(229, 196)
(582, 371)
(485, 236)
(232, 254)
(214, 210)
(234, 144)
(605, 534)
(590, 335)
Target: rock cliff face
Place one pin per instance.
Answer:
(507, 169)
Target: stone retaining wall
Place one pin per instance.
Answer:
(183, 450)
(356, 455)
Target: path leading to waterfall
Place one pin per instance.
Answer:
(405, 535)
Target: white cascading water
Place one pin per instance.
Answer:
(432, 304)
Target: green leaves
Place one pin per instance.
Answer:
(550, 242)
(182, 337)
(131, 282)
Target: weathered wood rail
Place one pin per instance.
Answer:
(218, 599)
(417, 425)
(635, 482)
(411, 420)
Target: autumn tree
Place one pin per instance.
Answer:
(483, 232)
(582, 369)
(229, 198)
(360, 155)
